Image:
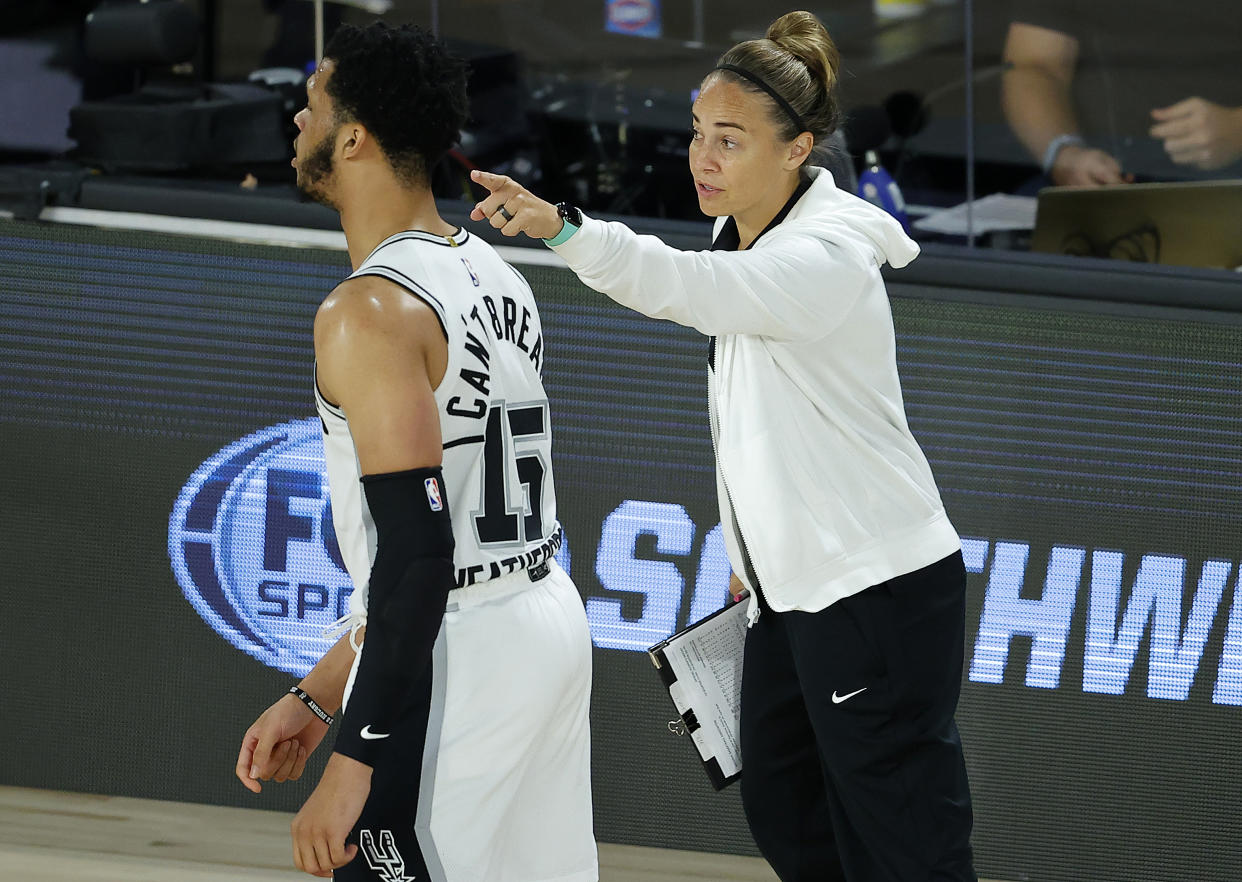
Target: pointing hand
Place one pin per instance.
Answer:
(513, 209)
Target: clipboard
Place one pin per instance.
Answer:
(701, 666)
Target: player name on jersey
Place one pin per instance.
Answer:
(510, 330)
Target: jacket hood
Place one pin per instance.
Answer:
(842, 217)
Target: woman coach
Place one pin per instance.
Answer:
(853, 765)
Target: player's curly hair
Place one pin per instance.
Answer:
(407, 89)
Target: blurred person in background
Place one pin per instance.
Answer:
(1106, 91)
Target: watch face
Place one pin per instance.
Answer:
(570, 213)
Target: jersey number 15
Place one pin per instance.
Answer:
(500, 523)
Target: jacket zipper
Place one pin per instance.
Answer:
(752, 614)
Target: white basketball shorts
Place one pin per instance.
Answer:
(491, 781)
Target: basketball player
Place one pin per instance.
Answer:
(463, 751)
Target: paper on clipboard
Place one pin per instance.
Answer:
(702, 668)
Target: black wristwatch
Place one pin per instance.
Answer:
(569, 213)
(571, 220)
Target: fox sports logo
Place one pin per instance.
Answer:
(253, 548)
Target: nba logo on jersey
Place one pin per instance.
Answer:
(473, 276)
(433, 494)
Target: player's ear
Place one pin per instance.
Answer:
(355, 136)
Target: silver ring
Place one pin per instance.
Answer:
(503, 212)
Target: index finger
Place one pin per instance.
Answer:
(339, 853)
(492, 182)
(1181, 108)
(245, 758)
(262, 753)
(1170, 128)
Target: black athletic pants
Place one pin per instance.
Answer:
(852, 765)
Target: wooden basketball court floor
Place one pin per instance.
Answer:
(48, 836)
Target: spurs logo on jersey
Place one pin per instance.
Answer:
(383, 857)
(493, 413)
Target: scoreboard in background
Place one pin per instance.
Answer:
(164, 499)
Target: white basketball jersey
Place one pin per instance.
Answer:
(493, 413)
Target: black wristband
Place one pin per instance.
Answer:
(312, 704)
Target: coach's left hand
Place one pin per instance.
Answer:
(320, 828)
(527, 213)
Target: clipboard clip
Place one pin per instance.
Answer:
(685, 724)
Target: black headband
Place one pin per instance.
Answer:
(785, 105)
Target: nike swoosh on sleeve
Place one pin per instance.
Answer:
(837, 699)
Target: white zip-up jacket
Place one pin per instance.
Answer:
(815, 464)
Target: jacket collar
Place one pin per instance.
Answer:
(836, 215)
(727, 237)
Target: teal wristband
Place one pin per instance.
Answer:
(567, 231)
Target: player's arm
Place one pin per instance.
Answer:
(278, 744)
(326, 680)
(380, 353)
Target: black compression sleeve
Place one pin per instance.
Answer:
(410, 580)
